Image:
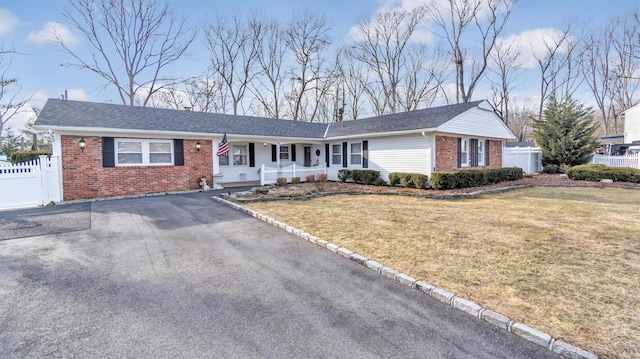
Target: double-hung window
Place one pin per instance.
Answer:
(480, 153)
(336, 154)
(356, 153)
(138, 152)
(464, 152)
(239, 155)
(284, 152)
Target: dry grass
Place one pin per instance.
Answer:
(562, 260)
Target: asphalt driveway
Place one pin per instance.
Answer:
(183, 276)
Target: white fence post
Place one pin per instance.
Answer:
(293, 168)
(262, 170)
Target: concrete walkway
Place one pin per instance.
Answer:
(182, 276)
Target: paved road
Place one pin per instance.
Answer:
(182, 276)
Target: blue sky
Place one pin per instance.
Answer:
(39, 68)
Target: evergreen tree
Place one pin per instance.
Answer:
(566, 133)
(9, 142)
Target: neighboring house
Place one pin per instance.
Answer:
(135, 150)
(632, 124)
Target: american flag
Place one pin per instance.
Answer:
(223, 147)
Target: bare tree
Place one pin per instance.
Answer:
(10, 102)
(268, 87)
(521, 114)
(353, 77)
(131, 43)
(506, 66)
(559, 71)
(234, 47)
(307, 37)
(381, 44)
(456, 21)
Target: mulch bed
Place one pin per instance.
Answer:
(307, 190)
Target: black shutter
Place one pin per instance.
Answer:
(473, 151)
(108, 152)
(487, 153)
(252, 154)
(274, 157)
(365, 154)
(459, 152)
(326, 154)
(293, 152)
(344, 154)
(178, 152)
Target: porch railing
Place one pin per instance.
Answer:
(269, 175)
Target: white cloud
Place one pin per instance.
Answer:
(77, 95)
(534, 44)
(7, 22)
(53, 32)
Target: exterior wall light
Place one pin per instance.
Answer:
(82, 144)
(265, 145)
(198, 146)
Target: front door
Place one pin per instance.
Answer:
(307, 156)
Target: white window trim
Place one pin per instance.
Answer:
(145, 152)
(351, 154)
(246, 154)
(464, 140)
(481, 145)
(284, 152)
(339, 153)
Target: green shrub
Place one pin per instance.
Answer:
(295, 180)
(311, 178)
(380, 182)
(359, 176)
(394, 179)
(26, 156)
(281, 181)
(474, 178)
(550, 168)
(564, 168)
(417, 180)
(344, 175)
(593, 172)
(406, 180)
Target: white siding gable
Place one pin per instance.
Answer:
(632, 124)
(411, 153)
(479, 121)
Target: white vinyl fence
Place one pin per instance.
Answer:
(632, 161)
(269, 175)
(33, 183)
(527, 158)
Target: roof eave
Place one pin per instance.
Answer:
(382, 134)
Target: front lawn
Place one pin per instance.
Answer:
(562, 260)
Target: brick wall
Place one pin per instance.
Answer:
(447, 154)
(84, 177)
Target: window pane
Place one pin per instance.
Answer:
(464, 158)
(160, 147)
(129, 158)
(160, 158)
(223, 160)
(239, 150)
(356, 148)
(356, 159)
(129, 146)
(336, 155)
(239, 160)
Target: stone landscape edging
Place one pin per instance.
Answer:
(232, 197)
(469, 307)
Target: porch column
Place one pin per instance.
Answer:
(216, 162)
(278, 154)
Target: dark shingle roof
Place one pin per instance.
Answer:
(65, 113)
(78, 115)
(412, 120)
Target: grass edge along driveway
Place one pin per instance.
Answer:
(562, 260)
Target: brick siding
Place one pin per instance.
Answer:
(447, 154)
(84, 177)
